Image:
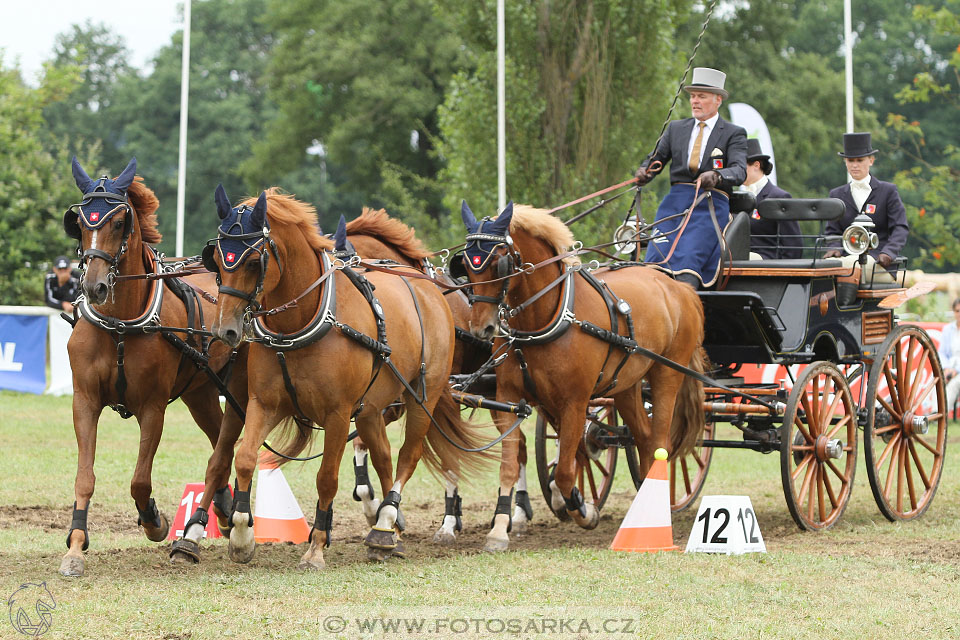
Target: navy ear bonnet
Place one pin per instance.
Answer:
(102, 199)
(243, 229)
(343, 248)
(485, 236)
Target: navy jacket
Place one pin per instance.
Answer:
(790, 242)
(884, 206)
(731, 164)
(55, 294)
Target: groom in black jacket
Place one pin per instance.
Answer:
(768, 238)
(705, 149)
(880, 200)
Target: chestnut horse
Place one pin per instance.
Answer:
(336, 352)
(119, 357)
(377, 236)
(570, 342)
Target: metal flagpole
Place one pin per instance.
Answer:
(501, 114)
(184, 94)
(848, 46)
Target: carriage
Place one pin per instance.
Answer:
(847, 368)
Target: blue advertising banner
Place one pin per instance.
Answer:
(23, 353)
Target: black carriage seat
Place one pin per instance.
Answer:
(801, 209)
(736, 235)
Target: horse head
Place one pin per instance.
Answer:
(488, 259)
(240, 256)
(104, 224)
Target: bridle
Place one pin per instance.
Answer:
(507, 264)
(95, 220)
(255, 241)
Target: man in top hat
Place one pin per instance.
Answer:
(865, 194)
(704, 149)
(768, 238)
(61, 287)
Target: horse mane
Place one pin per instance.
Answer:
(145, 203)
(376, 223)
(540, 224)
(286, 209)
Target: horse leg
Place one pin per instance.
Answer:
(571, 420)
(334, 443)
(186, 550)
(155, 524)
(383, 540)
(452, 523)
(633, 413)
(85, 416)
(258, 425)
(363, 491)
(372, 429)
(522, 509)
(498, 538)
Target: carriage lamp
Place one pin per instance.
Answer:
(859, 237)
(627, 235)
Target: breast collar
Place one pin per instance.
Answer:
(149, 319)
(561, 321)
(319, 325)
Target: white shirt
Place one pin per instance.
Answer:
(706, 136)
(860, 190)
(757, 186)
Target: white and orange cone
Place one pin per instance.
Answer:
(276, 514)
(648, 525)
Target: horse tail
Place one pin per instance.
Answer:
(292, 439)
(688, 416)
(440, 455)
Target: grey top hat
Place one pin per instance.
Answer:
(856, 145)
(709, 80)
(754, 153)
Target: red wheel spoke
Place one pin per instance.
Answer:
(888, 449)
(801, 465)
(840, 474)
(829, 413)
(916, 401)
(901, 467)
(916, 461)
(807, 476)
(840, 424)
(685, 473)
(894, 448)
(830, 492)
(802, 429)
(603, 469)
(893, 412)
(909, 472)
(882, 430)
(593, 483)
(916, 375)
(892, 390)
(811, 489)
(820, 492)
(926, 445)
(805, 403)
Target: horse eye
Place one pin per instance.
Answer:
(117, 224)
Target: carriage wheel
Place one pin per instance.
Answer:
(818, 447)
(687, 474)
(596, 461)
(905, 436)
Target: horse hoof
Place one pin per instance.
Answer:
(377, 555)
(520, 523)
(184, 551)
(72, 566)
(381, 539)
(309, 564)
(157, 534)
(242, 545)
(445, 538)
(557, 504)
(241, 555)
(399, 551)
(589, 521)
(496, 545)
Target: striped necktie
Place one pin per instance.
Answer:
(695, 154)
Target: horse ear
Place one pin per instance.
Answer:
(125, 179)
(469, 220)
(223, 203)
(502, 223)
(340, 237)
(259, 214)
(84, 182)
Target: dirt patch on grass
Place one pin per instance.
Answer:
(53, 519)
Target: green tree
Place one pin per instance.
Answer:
(362, 79)
(588, 86)
(33, 189)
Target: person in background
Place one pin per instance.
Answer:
(863, 193)
(61, 286)
(703, 149)
(768, 238)
(950, 355)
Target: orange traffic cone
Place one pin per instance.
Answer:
(647, 525)
(276, 515)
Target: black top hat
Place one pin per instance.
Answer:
(754, 153)
(856, 145)
(62, 262)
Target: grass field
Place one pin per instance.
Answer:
(865, 578)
